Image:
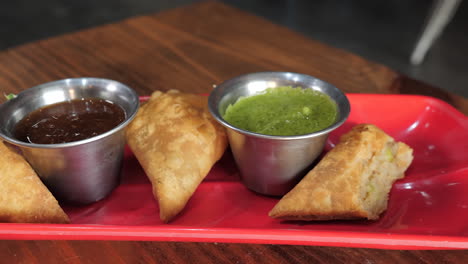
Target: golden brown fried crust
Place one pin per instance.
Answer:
(352, 180)
(176, 141)
(23, 197)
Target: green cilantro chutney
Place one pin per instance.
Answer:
(283, 111)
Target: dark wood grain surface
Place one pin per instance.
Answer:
(190, 49)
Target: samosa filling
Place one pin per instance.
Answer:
(380, 176)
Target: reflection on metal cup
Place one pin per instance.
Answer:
(273, 165)
(79, 172)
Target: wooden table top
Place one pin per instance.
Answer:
(190, 49)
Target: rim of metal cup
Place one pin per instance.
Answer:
(219, 92)
(129, 116)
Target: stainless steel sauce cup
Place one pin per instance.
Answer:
(273, 165)
(83, 171)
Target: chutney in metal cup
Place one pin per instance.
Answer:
(81, 171)
(273, 164)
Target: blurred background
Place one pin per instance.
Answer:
(384, 31)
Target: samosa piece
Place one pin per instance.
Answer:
(352, 180)
(23, 196)
(176, 141)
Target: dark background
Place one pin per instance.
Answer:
(384, 31)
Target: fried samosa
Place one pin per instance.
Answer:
(23, 196)
(176, 141)
(352, 181)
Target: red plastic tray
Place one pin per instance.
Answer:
(428, 209)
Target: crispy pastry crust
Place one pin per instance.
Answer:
(176, 141)
(23, 196)
(352, 180)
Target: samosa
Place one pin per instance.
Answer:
(176, 141)
(23, 196)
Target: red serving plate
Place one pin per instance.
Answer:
(428, 209)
